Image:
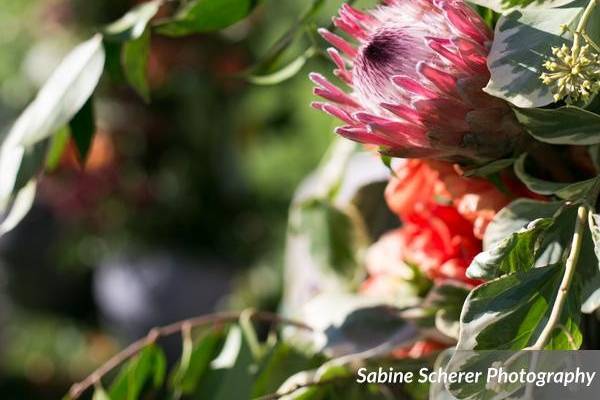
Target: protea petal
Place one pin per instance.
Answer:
(417, 69)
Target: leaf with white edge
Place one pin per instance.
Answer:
(509, 313)
(135, 58)
(199, 16)
(543, 241)
(385, 326)
(566, 125)
(134, 23)
(507, 6)
(521, 44)
(565, 191)
(514, 253)
(63, 95)
(20, 207)
(516, 216)
(591, 289)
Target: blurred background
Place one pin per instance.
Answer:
(180, 209)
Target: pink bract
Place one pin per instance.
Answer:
(416, 69)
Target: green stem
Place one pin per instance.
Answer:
(563, 290)
(583, 22)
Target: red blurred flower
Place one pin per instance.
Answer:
(419, 183)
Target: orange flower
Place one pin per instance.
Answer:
(421, 183)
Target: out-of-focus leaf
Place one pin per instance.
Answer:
(134, 23)
(566, 125)
(147, 367)
(565, 191)
(63, 95)
(232, 373)
(522, 41)
(135, 55)
(19, 208)
(507, 6)
(367, 328)
(58, 144)
(283, 362)
(187, 377)
(198, 16)
(332, 234)
(100, 394)
(285, 73)
(83, 127)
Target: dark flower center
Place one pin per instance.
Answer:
(381, 49)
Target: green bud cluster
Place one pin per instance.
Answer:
(574, 72)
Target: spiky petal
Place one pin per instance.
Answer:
(416, 70)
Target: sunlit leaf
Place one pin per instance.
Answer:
(63, 95)
(133, 24)
(521, 44)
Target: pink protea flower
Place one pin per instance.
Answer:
(417, 69)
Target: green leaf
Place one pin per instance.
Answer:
(510, 312)
(147, 367)
(287, 72)
(515, 253)
(522, 41)
(133, 24)
(516, 216)
(18, 208)
(83, 127)
(566, 125)
(284, 361)
(491, 168)
(591, 289)
(506, 6)
(100, 394)
(232, 373)
(187, 377)
(198, 16)
(541, 242)
(135, 57)
(565, 191)
(58, 144)
(364, 329)
(63, 95)
(332, 236)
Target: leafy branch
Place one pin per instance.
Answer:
(563, 291)
(183, 327)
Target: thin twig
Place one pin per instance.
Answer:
(563, 291)
(134, 348)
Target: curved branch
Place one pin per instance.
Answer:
(563, 291)
(134, 348)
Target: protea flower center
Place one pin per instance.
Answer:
(417, 69)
